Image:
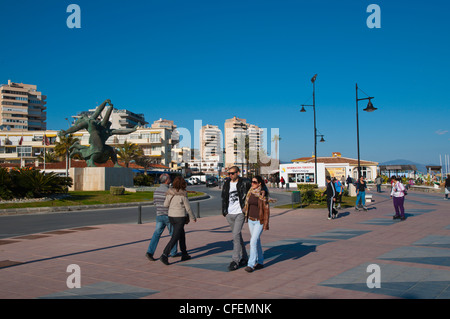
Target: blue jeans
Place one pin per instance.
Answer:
(361, 197)
(161, 223)
(256, 253)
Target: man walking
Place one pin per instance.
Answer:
(339, 189)
(331, 198)
(162, 218)
(234, 193)
(379, 181)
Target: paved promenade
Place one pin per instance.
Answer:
(306, 256)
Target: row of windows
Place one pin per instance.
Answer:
(15, 92)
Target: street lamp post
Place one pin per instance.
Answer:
(313, 80)
(369, 108)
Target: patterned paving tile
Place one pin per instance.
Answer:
(380, 221)
(341, 233)
(102, 290)
(396, 281)
(434, 241)
(421, 255)
(274, 252)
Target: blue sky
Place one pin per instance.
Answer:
(189, 60)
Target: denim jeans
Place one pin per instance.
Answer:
(361, 197)
(161, 223)
(256, 253)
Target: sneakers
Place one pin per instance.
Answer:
(249, 269)
(164, 259)
(256, 267)
(149, 257)
(233, 266)
(185, 257)
(243, 262)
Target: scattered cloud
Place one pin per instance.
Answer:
(441, 132)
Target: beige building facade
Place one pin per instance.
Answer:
(22, 108)
(236, 129)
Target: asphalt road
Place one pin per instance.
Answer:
(19, 225)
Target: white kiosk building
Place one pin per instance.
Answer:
(302, 170)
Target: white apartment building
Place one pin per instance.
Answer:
(22, 107)
(210, 143)
(25, 147)
(236, 129)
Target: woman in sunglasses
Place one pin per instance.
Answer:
(257, 213)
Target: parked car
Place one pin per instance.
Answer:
(193, 180)
(211, 182)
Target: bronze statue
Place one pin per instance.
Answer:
(99, 132)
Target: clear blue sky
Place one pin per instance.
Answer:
(211, 60)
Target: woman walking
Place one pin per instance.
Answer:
(178, 203)
(398, 194)
(257, 213)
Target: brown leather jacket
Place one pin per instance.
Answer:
(264, 212)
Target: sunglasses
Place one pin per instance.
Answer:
(255, 182)
(231, 173)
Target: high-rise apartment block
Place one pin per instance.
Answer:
(236, 131)
(22, 107)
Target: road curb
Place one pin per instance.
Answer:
(54, 209)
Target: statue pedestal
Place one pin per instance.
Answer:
(100, 178)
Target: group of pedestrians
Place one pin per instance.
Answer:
(243, 200)
(334, 190)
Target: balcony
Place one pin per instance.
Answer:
(157, 153)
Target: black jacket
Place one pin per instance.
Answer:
(243, 185)
(330, 191)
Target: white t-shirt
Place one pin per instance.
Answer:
(234, 207)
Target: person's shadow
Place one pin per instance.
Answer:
(288, 251)
(212, 248)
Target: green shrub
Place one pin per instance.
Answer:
(5, 184)
(143, 180)
(31, 183)
(117, 190)
(305, 187)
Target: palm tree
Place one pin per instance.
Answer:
(50, 157)
(129, 152)
(63, 145)
(145, 162)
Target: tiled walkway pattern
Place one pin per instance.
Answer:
(306, 256)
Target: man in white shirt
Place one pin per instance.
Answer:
(234, 192)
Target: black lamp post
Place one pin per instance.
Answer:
(313, 80)
(369, 108)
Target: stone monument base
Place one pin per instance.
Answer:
(100, 178)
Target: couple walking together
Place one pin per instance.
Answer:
(172, 211)
(243, 201)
